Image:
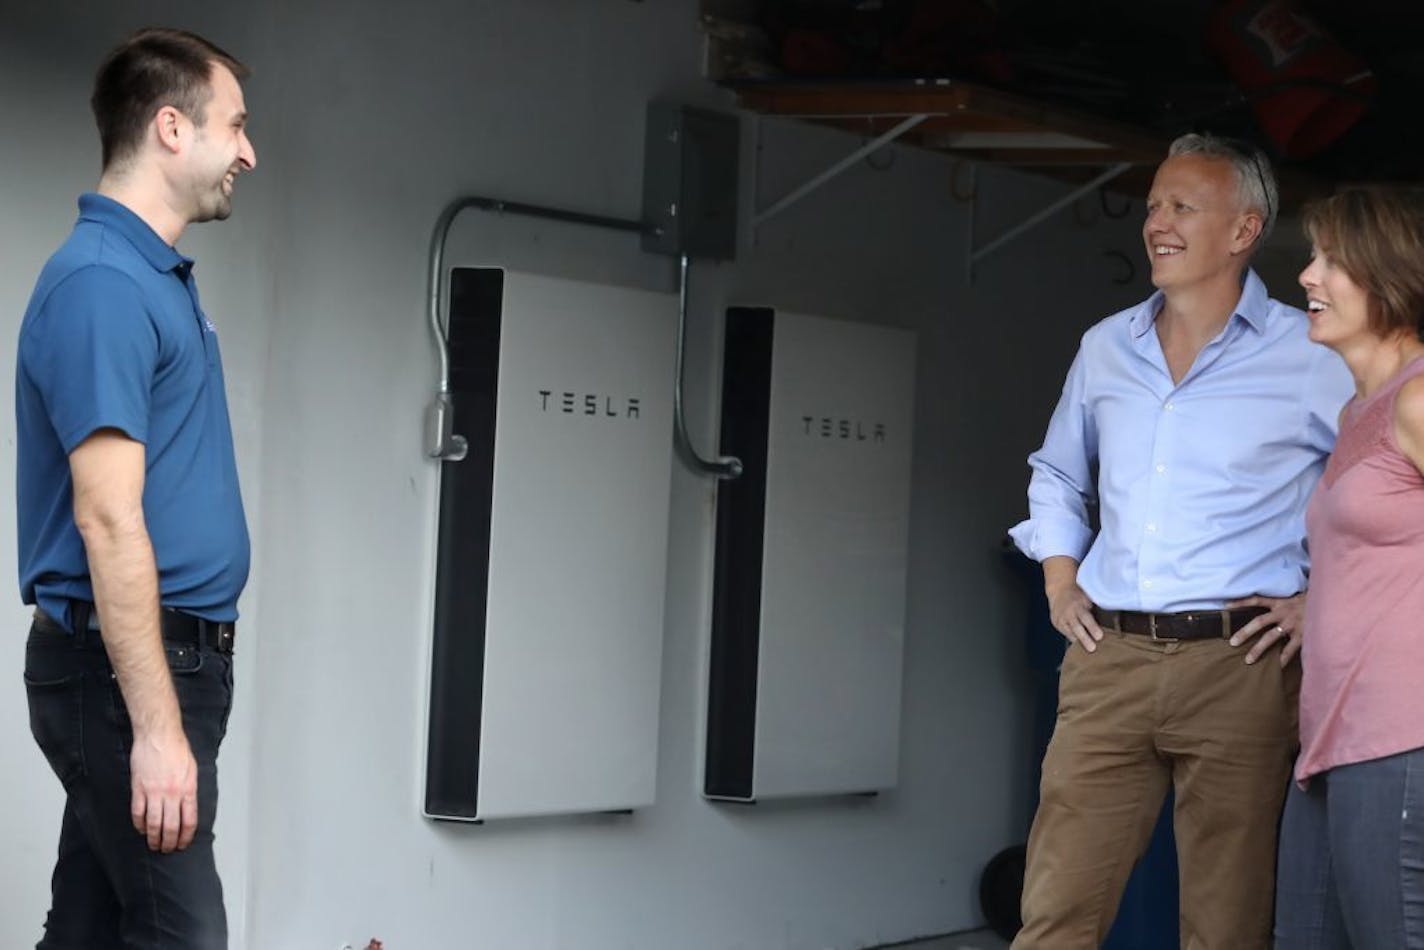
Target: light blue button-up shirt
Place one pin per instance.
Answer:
(1201, 485)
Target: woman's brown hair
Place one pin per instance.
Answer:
(1375, 233)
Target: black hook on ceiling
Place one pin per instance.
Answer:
(1109, 212)
(1129, 269)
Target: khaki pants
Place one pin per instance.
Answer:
(1132, 717)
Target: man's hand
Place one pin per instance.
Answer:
(1284, 619)
(165, 790)
(1069, 608)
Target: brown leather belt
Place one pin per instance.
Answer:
(1187, 625)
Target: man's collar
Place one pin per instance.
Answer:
(1255, 304)
(1254, 307)
(110, 213)
(1145, 315)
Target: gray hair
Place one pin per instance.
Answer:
(1255, 180)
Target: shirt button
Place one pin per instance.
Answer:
(1152, 526)
(1161, 469)
(1147, 585)
(1169, 407)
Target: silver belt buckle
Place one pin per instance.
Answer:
(1152, 631)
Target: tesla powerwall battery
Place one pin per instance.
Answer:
(552, 552)
(809, 597)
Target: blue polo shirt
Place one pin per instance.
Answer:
(114, 337)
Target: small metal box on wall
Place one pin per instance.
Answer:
(547, 652)
(809, 595)
(690, 162)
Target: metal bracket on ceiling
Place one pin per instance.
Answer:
(906, 124)
(796, 195)
(978, 254)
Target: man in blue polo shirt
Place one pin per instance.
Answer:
(132, 541)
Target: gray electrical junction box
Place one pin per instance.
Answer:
(690, 164)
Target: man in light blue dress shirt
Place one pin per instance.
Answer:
(1196, 424)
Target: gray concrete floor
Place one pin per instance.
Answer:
(972, 940)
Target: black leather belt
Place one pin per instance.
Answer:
(1187, 625)
(177, 627)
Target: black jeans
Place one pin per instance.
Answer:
(109, 891)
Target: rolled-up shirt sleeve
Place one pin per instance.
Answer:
(1061, 489)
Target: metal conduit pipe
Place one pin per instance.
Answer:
(441, 440)
(725, 466)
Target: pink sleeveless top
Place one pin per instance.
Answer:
(1362, 693)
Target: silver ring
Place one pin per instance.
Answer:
(1280, 629)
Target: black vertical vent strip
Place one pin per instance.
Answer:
(462, 568)
(741, 520)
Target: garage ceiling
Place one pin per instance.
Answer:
(1330, 88)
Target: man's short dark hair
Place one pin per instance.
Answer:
(151, 69)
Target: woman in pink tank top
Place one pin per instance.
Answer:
(1352, 838)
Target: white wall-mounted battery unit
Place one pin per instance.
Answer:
(809, 598)
(547, 652)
